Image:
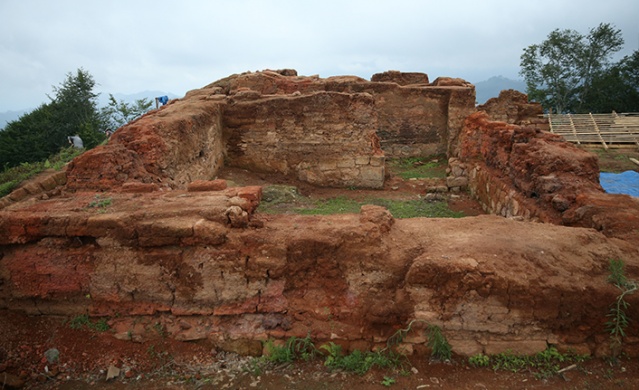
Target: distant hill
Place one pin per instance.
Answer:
(8, 116)
(490, 88)
(103, 100)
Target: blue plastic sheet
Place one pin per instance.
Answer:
(620, 183)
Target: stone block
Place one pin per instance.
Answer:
(346, 163)
(372, 174)
(18, 194)
(519, 347)
(378, 161)
(461, 181)
(362, 160)
(466, 347)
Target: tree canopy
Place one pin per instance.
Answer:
(570, 72)
(119, 113)
(44, 131)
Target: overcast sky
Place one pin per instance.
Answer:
(131, 46)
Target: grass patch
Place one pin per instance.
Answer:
(357, 362)
(83, 321)
(398, 208)
(543, 365)
(418, 167)
(12, 177)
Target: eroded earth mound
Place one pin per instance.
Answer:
(138, 233)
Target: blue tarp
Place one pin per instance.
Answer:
(620, 183)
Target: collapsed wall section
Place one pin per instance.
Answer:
(524, 172)
(169, 147)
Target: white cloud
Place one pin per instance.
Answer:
(135, 45)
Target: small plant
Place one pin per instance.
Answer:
(83, 321)
(100, 202)
(419, 167)
(159, 328)
(254, 367)
(439, 346)
(479, 360)
(100, 326)
(618, 318)
(79, 322)
(294, 348)
(357, 361)
(388, 381)
(544, 364)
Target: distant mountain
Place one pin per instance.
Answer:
(103, 100)
(8, 116)
(490, 88)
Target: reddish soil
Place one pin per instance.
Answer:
(86, 355)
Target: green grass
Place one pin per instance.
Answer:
(12, 177)
(418, 167)
(357, 361)
(83, 321)
(398, 208)
(543, 365)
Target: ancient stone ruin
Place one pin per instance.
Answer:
(138, 231)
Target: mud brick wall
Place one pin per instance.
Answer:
(171, 147)
(182, 264)
(415, 117)
(420, 120)
(513, 107)
(325, 138)
(522, 171)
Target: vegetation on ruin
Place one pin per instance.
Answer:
(358, 362)
(439, 346)
(618, 318)
(574, 73)
(543, 364)
(295, 348)
(84, 322)
(418, 167)
(10, 178)
(398, 208)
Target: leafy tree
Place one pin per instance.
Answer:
(616, 89)
(562, 71)
(76, 108)
(119, 113)
(44, 131)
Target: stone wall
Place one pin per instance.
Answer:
(331, 132)
(324, 138)
(169, 147)
(415, 118)
(517, 171)
(202, 266)
(513, 107)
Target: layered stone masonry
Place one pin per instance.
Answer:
(202, 266)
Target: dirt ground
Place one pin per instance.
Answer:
(86, 356)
